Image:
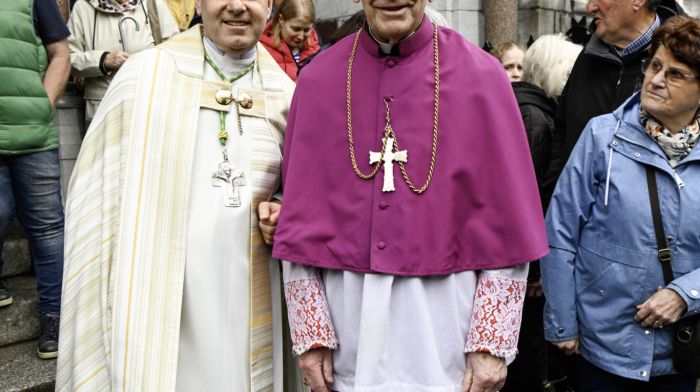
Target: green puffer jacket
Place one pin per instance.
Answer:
(25, 110)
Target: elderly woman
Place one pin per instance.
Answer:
(290, 36)
(103, 35)
(546, 67)
(605, 289)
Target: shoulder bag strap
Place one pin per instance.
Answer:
(664, 254)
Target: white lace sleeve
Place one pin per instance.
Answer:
(498, 307)
(310, 321)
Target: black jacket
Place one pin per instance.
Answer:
(600, 81)
(538, 117)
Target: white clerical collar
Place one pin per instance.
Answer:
(387, 47)
(230, 62)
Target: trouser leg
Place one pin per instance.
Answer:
(36, 180)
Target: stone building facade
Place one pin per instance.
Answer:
(535, 17)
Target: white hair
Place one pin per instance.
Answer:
(436, 17)
(548, 62)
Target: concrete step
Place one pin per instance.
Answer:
(22, 371)
(16, 257)
(20, 321)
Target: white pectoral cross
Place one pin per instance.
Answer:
(389, 157)
(230, 180)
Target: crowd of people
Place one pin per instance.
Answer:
(244, 194)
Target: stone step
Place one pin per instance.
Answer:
(22, 371)
(19, 321)
(16, 257)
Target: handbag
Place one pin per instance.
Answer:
(686, 340)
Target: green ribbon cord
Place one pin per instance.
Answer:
(223, 134)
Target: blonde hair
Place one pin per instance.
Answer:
(548, 62)
(501, 48)
(288, 10)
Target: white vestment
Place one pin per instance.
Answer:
(398, 333)
(214, 333)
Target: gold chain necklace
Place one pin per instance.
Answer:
(388, 130)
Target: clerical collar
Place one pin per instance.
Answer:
(229, 63)
(416, 40)
(386, 48)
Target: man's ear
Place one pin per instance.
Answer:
(639, 4)
(198, 6)
(356, 1)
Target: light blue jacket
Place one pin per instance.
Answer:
(603, 253)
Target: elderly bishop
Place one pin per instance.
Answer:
(168, 282)
(419, 289)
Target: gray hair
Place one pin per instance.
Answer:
(548, 62)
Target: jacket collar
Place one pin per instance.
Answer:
(187, 50)
(631, 130)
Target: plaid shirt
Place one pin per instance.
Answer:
(640, 42)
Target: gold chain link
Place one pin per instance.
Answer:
(388, 130)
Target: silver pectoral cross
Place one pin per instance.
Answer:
(229, 180)
(389, 157)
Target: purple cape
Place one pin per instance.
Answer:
(482, 210)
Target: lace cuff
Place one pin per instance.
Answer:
(498, 308)
(309, 319)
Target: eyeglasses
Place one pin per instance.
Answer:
(674, 76)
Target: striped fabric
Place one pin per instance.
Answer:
(127, 215)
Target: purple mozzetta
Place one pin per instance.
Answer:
(482, 210)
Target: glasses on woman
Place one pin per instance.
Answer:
(675, 76)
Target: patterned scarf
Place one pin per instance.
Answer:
(676, 146)
(113, 6)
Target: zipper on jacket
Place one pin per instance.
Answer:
(619, 78)
(679, 181)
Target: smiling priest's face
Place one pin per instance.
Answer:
(234, 25)
(393, 20)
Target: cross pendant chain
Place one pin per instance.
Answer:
(229, 180)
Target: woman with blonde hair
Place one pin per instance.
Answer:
(290, 37)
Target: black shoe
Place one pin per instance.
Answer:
(5, 296)
(48, 341)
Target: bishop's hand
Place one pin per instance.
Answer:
(317, 369)
(485, 373)
(268, 213)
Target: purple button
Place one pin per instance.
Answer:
(390, 63)
(383, 205)
(381, 245)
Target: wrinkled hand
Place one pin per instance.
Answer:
(534, 289)
(663, 308)
(569, 347)
(268, 213)
(115, 60)
(485, 373)
(317, 369)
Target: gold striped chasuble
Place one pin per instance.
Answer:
(127, 216)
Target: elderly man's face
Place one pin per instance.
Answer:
(613, 19)
(234, 25)
(392, 20)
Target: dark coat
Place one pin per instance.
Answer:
(538, 117)
(600, 81)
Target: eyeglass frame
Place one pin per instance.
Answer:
(685, 77)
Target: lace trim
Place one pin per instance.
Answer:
(498, 308)
(309, 319)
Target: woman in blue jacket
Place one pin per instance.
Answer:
(606, 296)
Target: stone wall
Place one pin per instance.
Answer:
(536, 17)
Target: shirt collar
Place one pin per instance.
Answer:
(641, 42)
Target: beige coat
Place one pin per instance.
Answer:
(95, 31)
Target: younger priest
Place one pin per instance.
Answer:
(168, 285)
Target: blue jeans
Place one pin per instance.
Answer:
(30, 188)
(594, 379)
